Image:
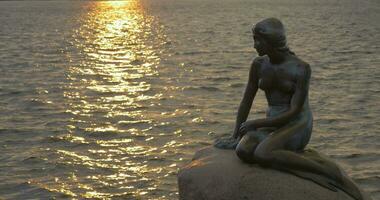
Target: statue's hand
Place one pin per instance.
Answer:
(245, 127)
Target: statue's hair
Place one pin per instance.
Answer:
(273, 31)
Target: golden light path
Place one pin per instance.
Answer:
(106, 95)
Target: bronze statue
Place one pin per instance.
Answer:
(279, 140)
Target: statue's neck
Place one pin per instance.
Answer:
(277, 57)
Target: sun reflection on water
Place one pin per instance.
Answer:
(106, 94)
(114, 76)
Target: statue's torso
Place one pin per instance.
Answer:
(278, 81)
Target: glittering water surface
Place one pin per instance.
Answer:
(107, 99)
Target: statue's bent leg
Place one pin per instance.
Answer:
(248, 143)
(272, 151)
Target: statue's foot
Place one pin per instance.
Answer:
(346, 184)
(226, 143)
(337, 178)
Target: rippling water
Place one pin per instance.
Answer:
(107, 99)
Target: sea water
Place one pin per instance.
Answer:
(108, 99)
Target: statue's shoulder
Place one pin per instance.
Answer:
(304, 67)
(298, 61)
(258, 62)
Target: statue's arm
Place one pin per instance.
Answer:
(249, 95)
(296, 104)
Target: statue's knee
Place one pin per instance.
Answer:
(243, 153)
(240, 152)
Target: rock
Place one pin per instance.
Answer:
(216, 174)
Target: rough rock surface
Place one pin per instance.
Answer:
(216, 174)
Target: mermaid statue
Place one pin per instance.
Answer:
(279, 140)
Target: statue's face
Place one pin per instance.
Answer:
(260, 45)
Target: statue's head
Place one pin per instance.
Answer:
(269, 35)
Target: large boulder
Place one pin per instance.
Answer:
(216, 174)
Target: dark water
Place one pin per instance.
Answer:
(109, 99)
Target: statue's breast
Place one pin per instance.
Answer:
(281, 78)
(277, 79)
(265, 84)
(266, 77)
(286, 86)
